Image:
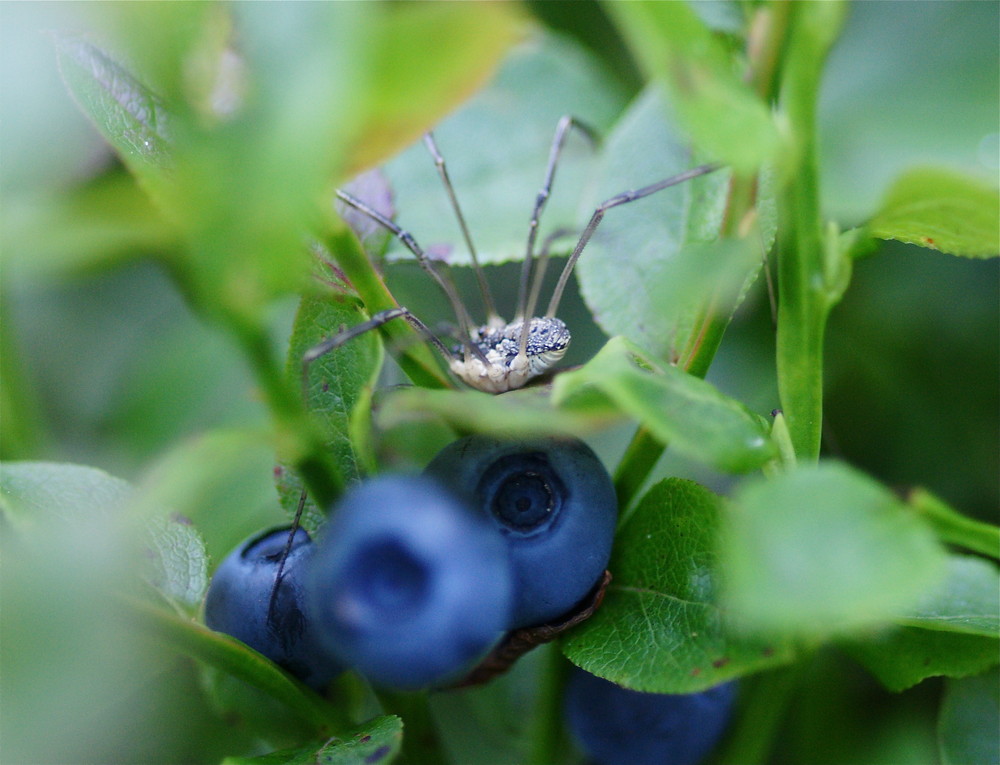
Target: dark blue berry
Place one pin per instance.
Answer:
(553, 502)
(239, 604)
(616, 726)
(409, 586)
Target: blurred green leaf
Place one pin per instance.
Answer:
(660, 628)
(37, 492)
(517, 413)
(721, 112)
(129, 116)
(951, 631)
(823, 551)
(942, 210)
(99, 225)
(413, 89)
(338, 391)
(231, 656)
(496, 147)
(680, 409)
(965, 602)
(883, 110)
(967, 726)
(69, 648)
(377, 741)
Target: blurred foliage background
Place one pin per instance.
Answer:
(104, 364)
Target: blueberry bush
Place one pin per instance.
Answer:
(788, 367)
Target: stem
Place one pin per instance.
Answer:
(763, 701)
(805, 296)
(644, 450)
(415, 357)
(955, 528)
(421, 745)
(546, 736)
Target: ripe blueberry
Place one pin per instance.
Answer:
(616, 726)
(239, 598)
(554, 504)
(409, 586)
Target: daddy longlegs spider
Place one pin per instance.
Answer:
(498, 356)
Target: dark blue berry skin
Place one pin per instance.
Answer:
(552, 501)
(409, 586)
(616, 726)
(239, 597)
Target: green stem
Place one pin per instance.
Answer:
(546, 736)
(644, 451)
(421, 744)
(764, 699)
(955, 528)
(803, 282)
(414, 357)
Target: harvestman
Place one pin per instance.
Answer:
(498, 356)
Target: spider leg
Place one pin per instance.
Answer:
(619, 199)
(566, 123)
(464, 321)
(492, 317)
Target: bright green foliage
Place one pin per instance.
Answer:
(813, 583)
(682, 410)
(823, 551)
(720, 112)
(661, 628)
(942, 210)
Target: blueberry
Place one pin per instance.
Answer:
(239, 598)
(409, 586)
(552, 501)
(616, 726)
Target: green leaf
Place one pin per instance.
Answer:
(412, 90)
(967, 726)
(177, 565)
(660, 628)
(37, 492)
(496, 147)
(942, 210)
(965, 602)
(902, 657)
(653, 264)
(377, 741)
(680, 409)
(524, 412)
(720, 111)
(824, 550)
(129, 116)
(951, 631)
(229, 655)
(338, 391)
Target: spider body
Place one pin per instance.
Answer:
(500, 366)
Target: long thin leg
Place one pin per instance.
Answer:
(620, 199)
(464, 321)
(284, 556)
(492, 318)
(382, 317)
(562, 130)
